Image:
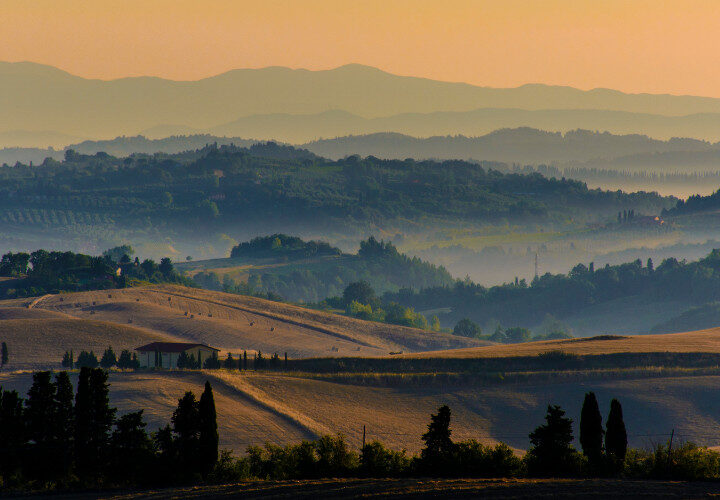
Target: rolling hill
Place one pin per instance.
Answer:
(254, 407)
(127, 318)
(75, 106)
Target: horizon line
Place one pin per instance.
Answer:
(347, 65)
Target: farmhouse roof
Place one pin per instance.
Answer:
(172, 347)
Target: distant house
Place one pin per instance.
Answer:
(166, 354)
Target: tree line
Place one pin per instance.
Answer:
(129, 361)
(519, 304)
(42, 272)
(58, 438)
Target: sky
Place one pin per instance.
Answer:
(630, 45)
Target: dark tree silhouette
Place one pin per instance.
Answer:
(616, 435)
(93, 421)
(132, 449)
(125, 360)
(63, 421)
(67, 361)
(12, 432)
(591, 430)
(108, 358)
(439, 447)
(39, 422)
(229, 362)
(208, 430)
(186, 427)
(467, 328)
(551, 453)
(87, 360)
(361, 292)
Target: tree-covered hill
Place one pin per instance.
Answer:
(272, 187)
(562, 295)
(300, 271)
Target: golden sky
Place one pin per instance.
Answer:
(630, 45)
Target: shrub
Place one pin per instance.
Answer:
(378, 461)
(477, 460)
(212, 363)
(687, 462)
(87, 360)
(467, 328)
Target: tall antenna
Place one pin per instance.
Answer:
(536, 265)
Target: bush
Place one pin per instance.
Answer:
(477, 460)
(378, 461)
(467, 328)
(327, 457)
(687, 462)
(212, 363)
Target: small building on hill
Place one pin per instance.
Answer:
(166, 354)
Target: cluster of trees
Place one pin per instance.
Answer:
(694, 204)
(553, 330)
(126, 361)
(626, 216)
(377, 262)
(359, 300)
(54, 438)
(521, 304)
(282, 246)
(42, 272)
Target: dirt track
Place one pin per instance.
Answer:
(428, 488)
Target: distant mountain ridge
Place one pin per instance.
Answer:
(37, 98)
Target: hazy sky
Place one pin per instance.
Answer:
(636, 46)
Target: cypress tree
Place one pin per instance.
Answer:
(616, 435)
(245, 364)
(4, 356)
(186, 427)
(208, 430)
(591, 431)
(93, 421)
(12, 432)
(132, 450)
(63, 424)
(83, 416)
(39, 421)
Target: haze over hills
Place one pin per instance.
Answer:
(521, 145)
(350, 99)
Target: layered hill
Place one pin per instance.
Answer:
(262, 98)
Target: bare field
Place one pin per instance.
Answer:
(398, 416)
(698, 341)
(241, 420)
(435, 488)
(229, 322)
(39, 342)
(254, 408)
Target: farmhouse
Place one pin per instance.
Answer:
(166, 354)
